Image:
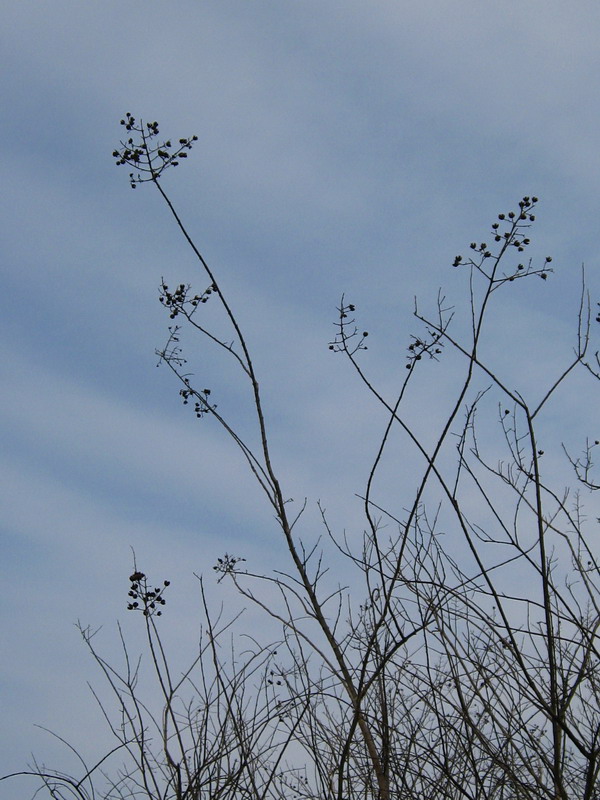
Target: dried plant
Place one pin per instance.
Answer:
(461, 661)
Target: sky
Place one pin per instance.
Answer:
(343, 147)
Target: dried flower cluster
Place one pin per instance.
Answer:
(509, 231)
(149, 158)
(227, 565)
(201, 405)
(150, 599)
(347, 332)
(182, 301)
(420, 347)
(179, 301)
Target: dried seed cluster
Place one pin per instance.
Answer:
(227, 565)
(201, 405)
(509, 231)
(144, 599)
(348, 338)
(179, 301)
(431, 347)
(149, 158)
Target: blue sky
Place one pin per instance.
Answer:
(349, 147)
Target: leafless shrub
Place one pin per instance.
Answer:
(465, 661)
